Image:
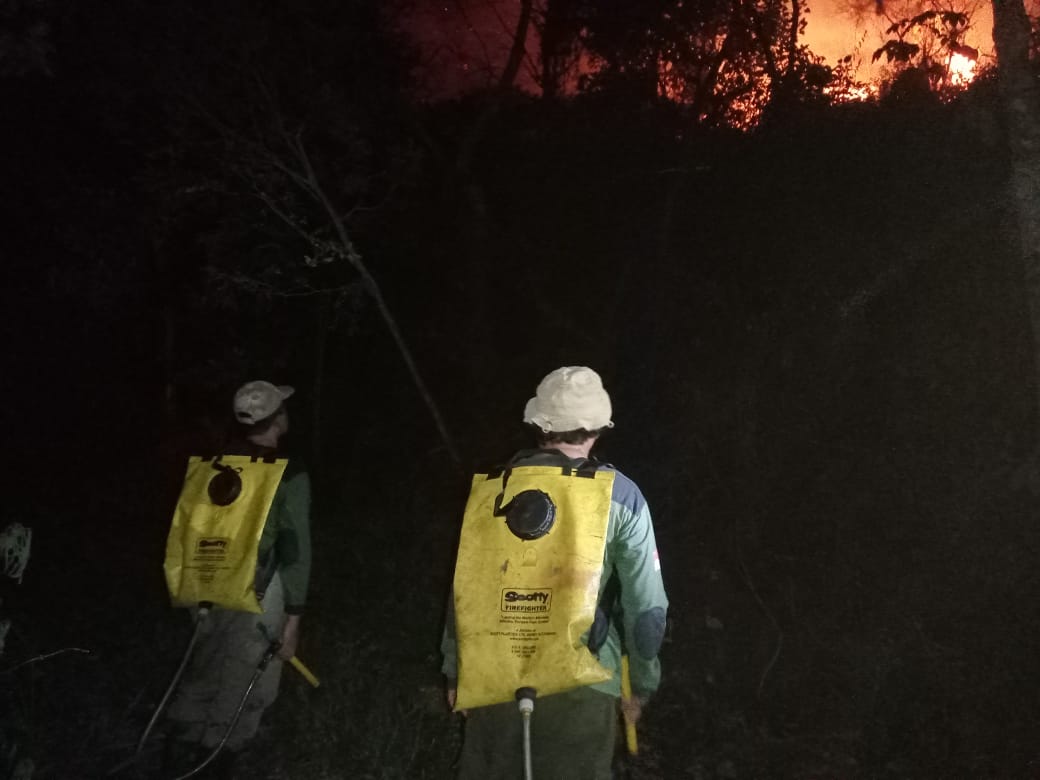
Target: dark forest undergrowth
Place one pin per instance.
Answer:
(887, 630)
(915, 663)
(822, 377)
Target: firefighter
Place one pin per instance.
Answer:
(525, 612)
(232, 641)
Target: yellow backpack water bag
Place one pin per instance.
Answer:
(211, 549)
(524, 599)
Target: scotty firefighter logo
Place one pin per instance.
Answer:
(526, 599)
(211, 547)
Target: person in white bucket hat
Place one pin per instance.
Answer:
(571, 398)
(573, 733)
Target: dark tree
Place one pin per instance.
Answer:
(282, 147)
(1021, 101)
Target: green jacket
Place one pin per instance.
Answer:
(638, 615)
(285, 542)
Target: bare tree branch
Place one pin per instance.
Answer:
(43, 657)
(373, 289)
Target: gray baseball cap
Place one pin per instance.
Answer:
(256, 401)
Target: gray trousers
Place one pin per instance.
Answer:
(227, 652)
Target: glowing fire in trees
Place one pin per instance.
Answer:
(960, 70)
(466, 43)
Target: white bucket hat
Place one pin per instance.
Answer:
(258, 400)
(568, 399)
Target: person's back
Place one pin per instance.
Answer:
(572, 729)
(208, 710)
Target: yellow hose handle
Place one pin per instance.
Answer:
(299, 666)
(626, 693)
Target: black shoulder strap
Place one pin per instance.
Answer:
(585, 467)
(581, 467)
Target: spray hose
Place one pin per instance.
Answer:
(525, 701)
(296, 663)
(200, 618)
(260, 668)
(272, 650)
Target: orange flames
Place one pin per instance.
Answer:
(960, 70)
(467, 43)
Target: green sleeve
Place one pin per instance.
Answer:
(643, 600)
(293, 543)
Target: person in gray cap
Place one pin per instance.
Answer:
(573, 732)
(231, 643)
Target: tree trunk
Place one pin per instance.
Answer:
(548, 54)
(557, 34)
(1021, 102)
(792, 40)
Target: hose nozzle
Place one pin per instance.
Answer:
(525, 699)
